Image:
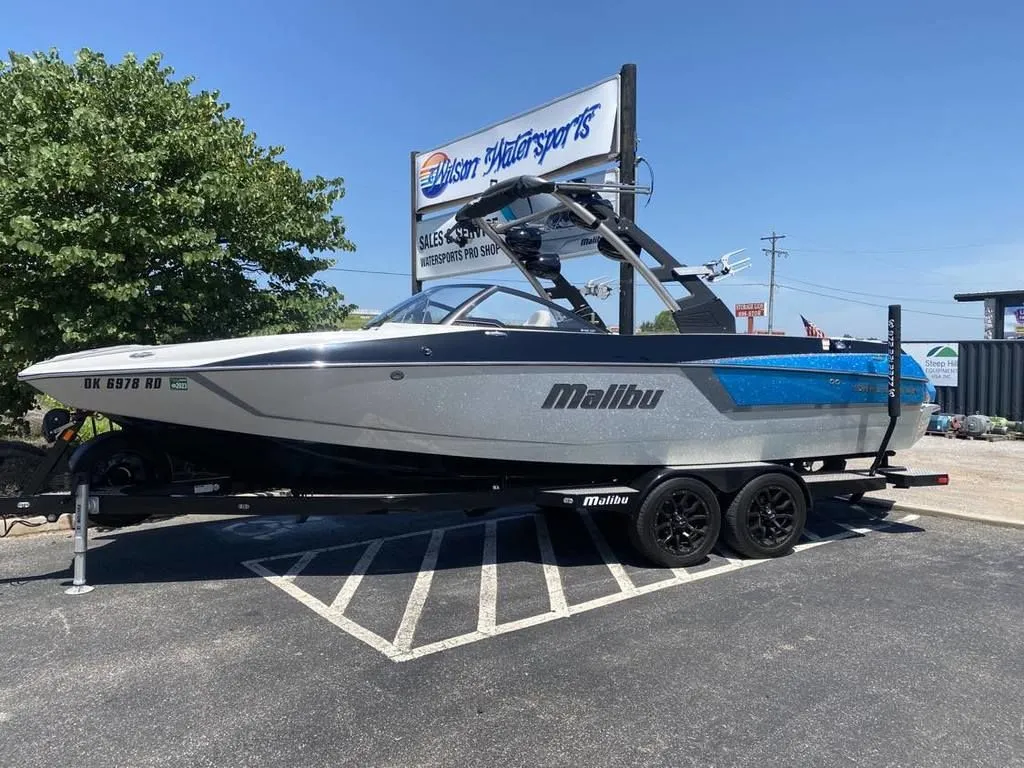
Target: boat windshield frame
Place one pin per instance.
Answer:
(457, 315)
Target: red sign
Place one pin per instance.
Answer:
(754, 309)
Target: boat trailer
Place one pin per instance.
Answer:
(654, 499)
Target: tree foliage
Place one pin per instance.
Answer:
(134, 210)
(663, 323)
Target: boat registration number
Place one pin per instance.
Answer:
(123, 382)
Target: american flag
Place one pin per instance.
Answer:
(812, 329)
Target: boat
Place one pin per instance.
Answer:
(482, 381)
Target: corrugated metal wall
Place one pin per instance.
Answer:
(991, 380)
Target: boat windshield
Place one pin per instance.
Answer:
(485, 305)
(428, 307)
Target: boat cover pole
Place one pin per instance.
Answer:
(894, 392)
(415, 218)
(627, 200)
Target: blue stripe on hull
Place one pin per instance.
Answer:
(822, 380)
(876, 365)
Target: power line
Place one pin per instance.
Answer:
(872, 304)
(884, 251)
(771, 280)
(865, 293)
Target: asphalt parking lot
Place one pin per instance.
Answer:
(517, 639)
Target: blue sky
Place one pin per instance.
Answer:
(884, 138)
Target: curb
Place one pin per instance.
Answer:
(1002, 522)
(38, 525)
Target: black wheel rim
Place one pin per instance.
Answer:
(681, 523)
(122, 469)
(771, 518)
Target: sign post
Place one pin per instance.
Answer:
(750, 311)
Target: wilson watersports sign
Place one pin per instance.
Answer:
(567, 132)
(445, 249)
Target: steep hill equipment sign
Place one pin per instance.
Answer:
(940, 361)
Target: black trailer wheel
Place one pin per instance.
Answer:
(677, 524)
(767, 516)
(116, 459)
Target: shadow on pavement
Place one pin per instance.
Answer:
(203, 549)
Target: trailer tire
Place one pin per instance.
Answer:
(115, 456)
(677, 523)
(767, 516)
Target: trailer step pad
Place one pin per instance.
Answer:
(913, 478)
(822, 485)
(588, 497)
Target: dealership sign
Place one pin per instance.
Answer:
(576, 130)
(445, 248)
(751, 309)
(1013, 323)
(941, 362)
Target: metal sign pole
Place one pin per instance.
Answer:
(627, 200)
(415, 218)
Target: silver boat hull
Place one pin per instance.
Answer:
(574, 414)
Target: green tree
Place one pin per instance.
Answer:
(133, 209)
(663, 323)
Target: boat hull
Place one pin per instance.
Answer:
(607, 414)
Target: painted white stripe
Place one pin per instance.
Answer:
(396, 537)
(300, 566)
(556, 595)
(489, 580)
(731, 557)
(357, 631)
(681, 574)
(344, 597)
(621, 577)
(879, 525)
(560, 609)
(811, 535)
(418, 597)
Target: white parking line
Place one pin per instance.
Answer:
(618, 572)
(489, 580)
(418, 597)
(402, 647)
(556, 595)
(300, 566)
(354, 579)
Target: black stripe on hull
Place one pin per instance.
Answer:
(540, 347)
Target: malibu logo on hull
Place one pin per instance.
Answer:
(605, 501)
(617, 396)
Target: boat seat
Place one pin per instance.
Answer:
(541, 318)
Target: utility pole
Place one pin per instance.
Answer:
(773, 252)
